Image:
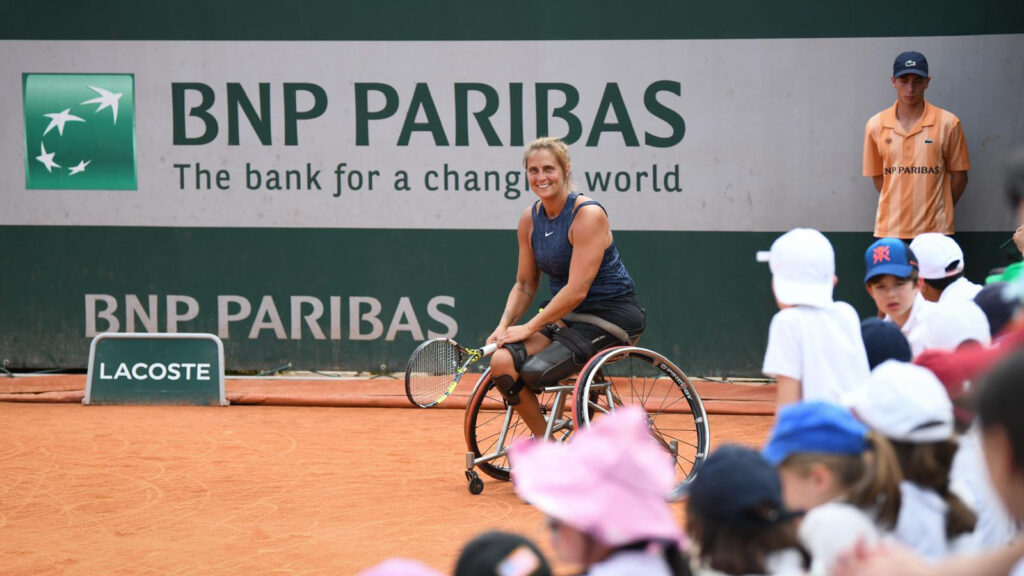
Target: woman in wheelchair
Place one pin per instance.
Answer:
(568, 237)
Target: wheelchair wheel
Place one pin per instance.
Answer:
(491, 426)
(628, 375)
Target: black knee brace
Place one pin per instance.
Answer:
(518, 352)
(509, 388)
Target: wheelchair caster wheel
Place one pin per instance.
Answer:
(476, 484)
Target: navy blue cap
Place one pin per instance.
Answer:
(498, 552)
(910, 63)
(884, 341)
(889, 256)
(736, 484)
(997, 305)
(814, 427)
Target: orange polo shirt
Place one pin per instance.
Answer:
(915, 166)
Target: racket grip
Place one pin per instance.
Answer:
(489, 349)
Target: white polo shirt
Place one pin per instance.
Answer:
(914, 328)
(820, 347)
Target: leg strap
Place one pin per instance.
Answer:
(518, 352)
(509, 388)
(582, 347)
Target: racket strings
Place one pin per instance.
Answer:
(433, 369)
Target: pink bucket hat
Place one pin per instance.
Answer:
(611, 482)
(400, 567)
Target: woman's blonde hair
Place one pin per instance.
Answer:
(556, 147)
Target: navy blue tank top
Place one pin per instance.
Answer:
(552, 252)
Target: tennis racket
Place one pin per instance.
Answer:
(435, 367)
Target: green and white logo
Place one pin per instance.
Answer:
(79, 131)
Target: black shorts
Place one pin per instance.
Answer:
(579, 341)
(623, 311)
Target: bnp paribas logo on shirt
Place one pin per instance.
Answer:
(79, 131)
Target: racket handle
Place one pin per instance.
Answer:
(489, 349)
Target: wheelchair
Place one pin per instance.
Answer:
(613, 377)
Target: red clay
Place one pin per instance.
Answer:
(90, 490)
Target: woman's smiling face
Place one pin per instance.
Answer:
(546, 176)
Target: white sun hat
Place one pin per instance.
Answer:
(904, 402)
(803, 266)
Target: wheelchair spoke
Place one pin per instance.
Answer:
(636, 376)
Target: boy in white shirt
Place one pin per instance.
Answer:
(891, 280)
(941, 265)
(815, 350)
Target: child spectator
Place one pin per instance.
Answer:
(908, 405)
(891, 280)
(954, 324)
(815, 351)
(736, 518)
(1000, 397)
(941, 264)
(501, 554)
(1002, 432)
(605, 495)
(968, 477)
(824, 454)
(999, 306)
(883, 341)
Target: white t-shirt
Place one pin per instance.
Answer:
(968, 479)
(631, 563)
(914, 328)
(921, 524)
(960, 289)
(820, 347)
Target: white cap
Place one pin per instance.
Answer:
(938, 256)
(803, 266)
(950, 324)
(904, 402)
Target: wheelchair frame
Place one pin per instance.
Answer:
(603, 382)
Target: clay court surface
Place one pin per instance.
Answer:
(250, 489)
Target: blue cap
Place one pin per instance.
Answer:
(910, 63)
(814, 427)
(736, 484)
(889, 256)
(884, 341)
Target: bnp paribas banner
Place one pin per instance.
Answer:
(669, 135)
(330, 204)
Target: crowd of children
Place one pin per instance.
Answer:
(897, 447)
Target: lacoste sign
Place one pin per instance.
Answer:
(79, 131)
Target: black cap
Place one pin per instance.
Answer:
(499, 554)
(737, 485)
